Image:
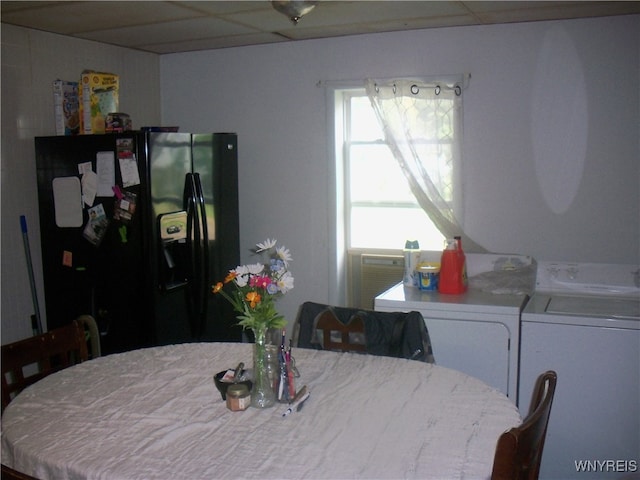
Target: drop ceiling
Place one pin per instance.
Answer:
(180, 26)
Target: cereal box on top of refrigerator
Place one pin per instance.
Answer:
(99, 96)
(65, 105)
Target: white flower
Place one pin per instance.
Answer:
(285, 283)
(255, 269)
(284, 254)
(242, 273)
(266, 245)
(241, 270)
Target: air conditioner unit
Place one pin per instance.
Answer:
(377, 274)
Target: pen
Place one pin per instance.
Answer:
(292, 387)
(302, 402)
(300, 405)
(295, 405)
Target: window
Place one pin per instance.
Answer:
(380, 211)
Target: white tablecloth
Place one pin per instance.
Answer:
(156, 414)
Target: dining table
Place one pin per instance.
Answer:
(155, 413)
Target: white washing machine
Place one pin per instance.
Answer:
(583, 321)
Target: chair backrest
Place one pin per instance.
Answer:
(11, 474)
(29, 360)
(336, 335)
(519, 450)
(90, 324)
(393, 334)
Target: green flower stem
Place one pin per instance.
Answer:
(262, 394)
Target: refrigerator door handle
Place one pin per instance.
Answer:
(203, 254)
(194, 244)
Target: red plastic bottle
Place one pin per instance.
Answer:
(453, 269)
(463, 262)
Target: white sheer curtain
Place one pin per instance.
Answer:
(422, 124)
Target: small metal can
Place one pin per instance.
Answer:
(238, 397)
(117, 122)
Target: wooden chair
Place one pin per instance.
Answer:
(89, 323)
(392, 334)
(519, 450)
(29, 360)
(336, 335)
(11, 474)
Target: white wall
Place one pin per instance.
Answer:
(268, 95)
(551, 129)
(31, 60)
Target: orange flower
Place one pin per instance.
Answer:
(253, 298)
(217, 287)
(230, 276)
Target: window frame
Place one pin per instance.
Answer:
(343, 97)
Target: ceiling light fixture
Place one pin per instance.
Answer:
(294, 9)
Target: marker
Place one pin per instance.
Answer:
(300, 405)
(295, 405)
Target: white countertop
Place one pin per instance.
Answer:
(473, 301)
(156, 413)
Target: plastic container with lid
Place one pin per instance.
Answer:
(428, 276)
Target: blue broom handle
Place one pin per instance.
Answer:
(32, 282)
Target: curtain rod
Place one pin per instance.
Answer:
(465, 77)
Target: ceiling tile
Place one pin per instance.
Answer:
(12, 6)
(227, 7)
(177, 31)
(214, 43)
(74, 17)
(506, 12)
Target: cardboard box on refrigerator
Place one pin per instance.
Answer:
(99, 93)
(66, 106)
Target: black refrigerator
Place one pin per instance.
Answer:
(135, 228)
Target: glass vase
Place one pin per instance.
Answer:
(262, 394)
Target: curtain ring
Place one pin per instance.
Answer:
(458, 90)
(394, 88)
(437, 90)
(415, 89)
(377, 89)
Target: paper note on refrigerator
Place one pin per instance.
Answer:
(89, 187)
(106, 171)
(129, 171)
(67, 201)
(84, 167)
